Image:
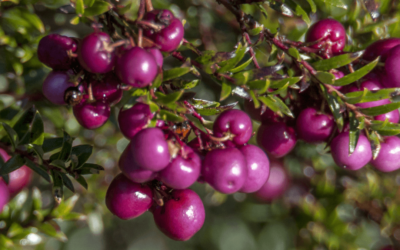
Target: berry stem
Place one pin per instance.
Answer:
(141, 10)
(90, 93)
(149, 5)
(140, 38)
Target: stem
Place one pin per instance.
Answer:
(140, 38)
(141, 10)
(90, 93)
(149, 5)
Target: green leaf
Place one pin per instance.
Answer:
(280, 83)
(255, 100)
(125, 9)
(206, 57)
(385, 128)
(325, 77)
(201, 104)
(226, 90)
(8, 114)
(23, 124)
(255, 74)
(354, 133)
(83, 152)
(12, 135)
(276, 105)
(337, 61)
(88, 3)
(379, 110)
(375, 144)
(334, 106)
(157, 81)
(58, 191)
(12, 164)
(207, 111)
(90, 168)
(59, 164)
(66, 147)
(38, 150)
(98, 8)
(294, 53)
(231, 63)
(36, 199)
(48, 229)
(139, 92)
(299, 10)
(334, 3)
(256, 31)
(370, 96)
(175, 73)
(181, 84)
(242, 66)
(170, 98)
(75, 20)
(38, 170)
(37, 130)
(50, 144)
(67, 182)
(81, 180)
(33, 19)
(79, 7)
(169, 116)
(312, 5)
(350, 78)
(260, 85)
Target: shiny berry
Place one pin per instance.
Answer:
(54, 51)
(182, 216)
(157, 55)
(236, 123)
(257, 168)
(314, 127)
(225, 170)
(276, 184)
(131, 170)
(276, 138)
(55, 85)
(388, 159)
(380, 48)
(127, 199)
(338, 75)
(108, 89)
(95, 54)
(134, 119)
(4, 195)
(392, 72)
(92, 115)
(340, 152)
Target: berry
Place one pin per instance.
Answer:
(257, 168)
(338, 75)
(340, 152)
(182, 215)
(127, 199)
(53, 51)
(225, 170)
(108, 89)
(388, 159)
(313, 127)
(134, 119)
(391, 78)
(392, 116)
(276, 184)
(55, 85)
(131, 170)
(330, 35)
(380, 48)
(95, 54)
(235, 122)
(183, 171)
(257, 114)
(276, 138)
(4, 195)
(92, 115)
(136, 67)
(169, 37)
(149, 149)
(157, 56)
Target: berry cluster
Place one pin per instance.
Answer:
(91, 74)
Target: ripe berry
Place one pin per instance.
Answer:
(338, 75)
(391, 77)
(313, 127)
(182, 216)
(108, 89)
(131, 170)
(171, 33)
(95, 54)
(149, 149)
(136, 67)
(388, 159)
(53, 51)
(380, 48)
(4, 195)
(276, 184)
(134, 119)
(340, 152)
(225, 170)
(183, 171)
(257, 168)
(330, 35)
(276, 138)
(235, 122)
(92, 115)
(55, 85)
(157, 56)
(127, 199)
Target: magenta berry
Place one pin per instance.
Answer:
(95, 54)
(134, 119)
(136, 67)
(225, 170)
(380, 48)
(276, 138)
(340, 152)
(330, 35)
(314, 127)
(92, 115)
(4, 195)
(257, 168)
(234, 122)
(127, 199)
(392, 73)
(108, 89)
(338, 75)
(392, 116)
(183, 171)
(388, 159)
(157, 56)
(53, 51)
(182, 215)
(131, 170)
(149, 149)
(276, 184)
(55, 85)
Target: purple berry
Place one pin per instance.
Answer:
(53, 51)
(95, 54)
(55, 85)
(131, 170)
(388, 159)
(313, 127)
(134, 119)
(330, 35)
(257, 168)
(136, 67)
(338, 75)
(340, 152)
(127, 199)
(92, 115)
(391, 78)
(4, 195)
(235, 122)
(149, 149)
(171, 33)
(276, 138)
(183, 171)
(182, 216)
(380, 48)
(157, 55)
(276, 184)
(225, 170)
(108, 89)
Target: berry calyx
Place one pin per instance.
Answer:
(108, 89)
(131, 170)
(388, 159)
(134, 119)
(313, 127)
(236, 123)
(55, 50)
(276, 184)
(127, 199)
(276, 138)
(92, 115)
(55, 85)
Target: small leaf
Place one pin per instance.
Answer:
(201, 104)
(90, 168)
(175, 73)
(38, 150)
(38, 170)
(280, 83)
(226, 90)
(334, 106)
(58, 191)
(255, 74)
(79, 7)
(370, 96)
(23, 124)
(75, 20)
(169, 116)
(181, 84)
(325, 77)
(276, 104)
(83, 152)
(379, 110)
(12, 164)
(350, 78)
(215, 110)
(139, 92)
(312, 5)
(12, 135)
(354, 133)
(337, 61)
(375, 144)
(294, 53)
(8, 113)
(385, 128)
(242, 66)
(334, 3)
(255, 100)
(81, 180)
(260, 85)
(98, 8)
(36, 199)
(157, 81)
(66, 147)
(50, 144)
(59, 164)
(170, 98)
(207, 57)
(37, 130)
(257, 30)
(67, 182)
(48, 229)
(231, 63)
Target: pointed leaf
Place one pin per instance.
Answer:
(379, 110)
(50, 144)
(358, 74)
(276, 104)
(170, 98)
(37, 130)
(58, 191)
(175, 73)
(67, 182)
(80, 8)
(38, 170)
(12, 135)
(169, 116)
(98, 8)
(12, 164)
(354, 133)
(336, 61)
(226, 90)
(66, 147)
